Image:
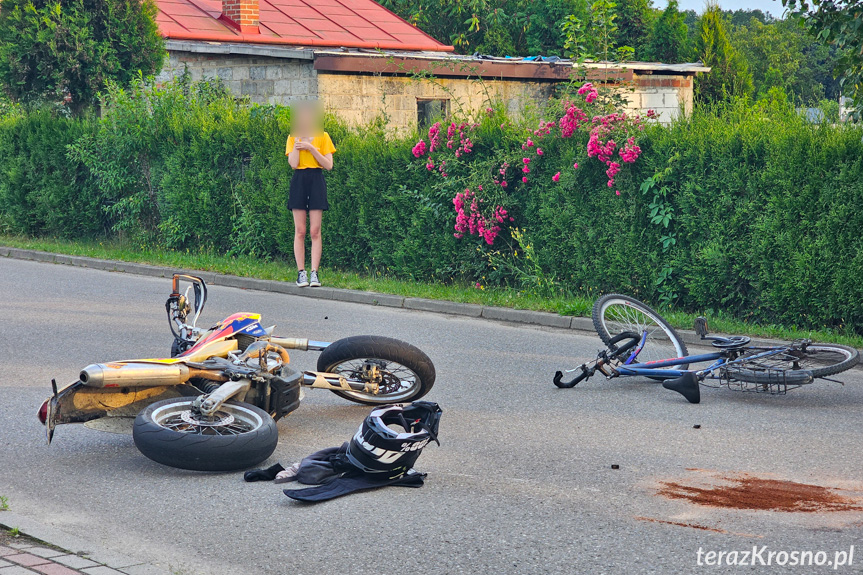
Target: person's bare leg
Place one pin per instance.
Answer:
(315, 217)
(300, 238)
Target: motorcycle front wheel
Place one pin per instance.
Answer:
(403, 372)
(172, 432)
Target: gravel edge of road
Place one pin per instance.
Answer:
(500, 314)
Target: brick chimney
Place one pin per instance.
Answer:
(241, 14)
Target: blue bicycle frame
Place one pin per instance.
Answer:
(656, 368)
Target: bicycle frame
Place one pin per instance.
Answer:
(718, 359)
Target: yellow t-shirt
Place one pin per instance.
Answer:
(322, 142)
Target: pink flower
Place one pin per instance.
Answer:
(539, 151)
(489, 111)
(616, 192)
(556, 177)
(503, 184)
(575, 166)
(526, 160)
(419, 149)
(529, 143)
(434, 137)
(526, 170)
(590, 91)
(524, 180)
(477, 283)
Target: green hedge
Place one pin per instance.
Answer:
(766, 207)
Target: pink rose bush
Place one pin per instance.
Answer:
(611, 138)
(470, 220)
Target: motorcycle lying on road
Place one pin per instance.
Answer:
(213, 405)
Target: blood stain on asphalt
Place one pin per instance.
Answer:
(755, 493)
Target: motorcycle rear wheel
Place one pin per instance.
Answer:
(238, 436)
(406, 373)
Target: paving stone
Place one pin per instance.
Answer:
(15, 570)
(101, 570)
(45, 552)
(5, 563)
(55, 569)
(7, 551)
(26, 559)
(74, 561)
(19, 545)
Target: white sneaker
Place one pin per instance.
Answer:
(303, 279)
(313, 279)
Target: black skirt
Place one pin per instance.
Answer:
(308, 190)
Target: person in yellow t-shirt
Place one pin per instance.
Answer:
(310, 151)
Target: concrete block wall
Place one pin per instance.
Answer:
(263, 79)
(667, 95)
(359, 99)
(362, 98)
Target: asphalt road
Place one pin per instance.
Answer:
(522, 482)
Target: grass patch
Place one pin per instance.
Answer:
(564, 304)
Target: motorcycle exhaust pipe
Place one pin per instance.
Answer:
(134, 374)
(301, 344)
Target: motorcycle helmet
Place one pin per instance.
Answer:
(391, 437)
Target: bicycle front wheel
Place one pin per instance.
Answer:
(799, 364)
(614, 314)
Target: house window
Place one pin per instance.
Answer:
(429, 110)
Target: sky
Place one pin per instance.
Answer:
(773, 6)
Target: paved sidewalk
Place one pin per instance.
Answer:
(45, 550)
(28, 558)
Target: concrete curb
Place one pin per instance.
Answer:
(516, 316)
(501, 314)
(78, 546)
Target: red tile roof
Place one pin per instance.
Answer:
(312, 23)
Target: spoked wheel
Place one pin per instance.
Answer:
(798, 364)
(403, 372)
(614, 314)
(172, 432)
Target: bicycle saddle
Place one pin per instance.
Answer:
(731, 342)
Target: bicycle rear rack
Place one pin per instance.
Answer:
(775, 382)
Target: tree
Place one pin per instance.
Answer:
(729, 74)
(773, 52)
(838, 23)
(633, 24)
(67, 50)
(669, 37)
(782, 55)
(742, 17)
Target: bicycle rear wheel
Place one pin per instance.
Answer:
(614, 314)
(798, 364)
